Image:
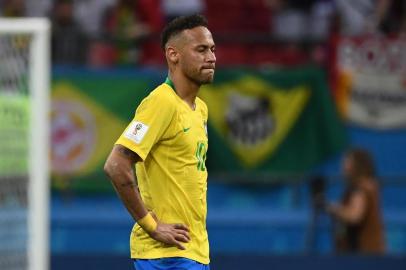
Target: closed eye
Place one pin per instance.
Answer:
(202, 48)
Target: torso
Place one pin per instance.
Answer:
(367, 236)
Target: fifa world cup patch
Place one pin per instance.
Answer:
(136, 131)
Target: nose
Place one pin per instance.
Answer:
(211, 57)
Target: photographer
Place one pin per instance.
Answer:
(358, 217)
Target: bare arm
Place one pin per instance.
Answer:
(120, 169)
(351, 213)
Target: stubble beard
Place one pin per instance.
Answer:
(200, 79)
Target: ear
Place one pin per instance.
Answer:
(172, 55)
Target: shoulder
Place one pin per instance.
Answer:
(160, 98)
(162, 93)
(369, 186)
(202, 106)
(368, 189)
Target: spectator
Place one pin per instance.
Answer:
(91, 22)
(13, 8)
(69, 44)
(359, 17)
(290, 20)
(125, 29)
(359, 225)
(175, 8)
(394, 21)
(38, 8)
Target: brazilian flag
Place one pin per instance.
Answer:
(260, 121)
(278, 122)
(90, 109)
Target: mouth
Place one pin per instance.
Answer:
(209, 69)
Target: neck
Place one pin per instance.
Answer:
(185, 88)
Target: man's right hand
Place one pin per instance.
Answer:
(171, 234)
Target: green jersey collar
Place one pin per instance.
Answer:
(170, 83)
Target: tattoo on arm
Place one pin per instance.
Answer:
(131, 183)
(128, 153)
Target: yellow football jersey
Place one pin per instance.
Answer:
(171, 139)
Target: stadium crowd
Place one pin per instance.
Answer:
(103, 33)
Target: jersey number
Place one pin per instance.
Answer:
(201, 156)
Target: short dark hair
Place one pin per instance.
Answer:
(179, 24)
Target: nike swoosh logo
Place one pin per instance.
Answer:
(186, 129)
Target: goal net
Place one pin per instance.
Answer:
(24, 182)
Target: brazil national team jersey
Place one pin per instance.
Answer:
(171, 139)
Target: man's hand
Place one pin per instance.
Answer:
(171, 234)
(120, 168)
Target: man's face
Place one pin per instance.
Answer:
(196, 55)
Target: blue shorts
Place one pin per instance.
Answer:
(176, 263)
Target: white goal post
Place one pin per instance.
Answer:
(38, 187)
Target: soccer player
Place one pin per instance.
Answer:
(167, 143)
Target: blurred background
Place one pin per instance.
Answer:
(298, 84)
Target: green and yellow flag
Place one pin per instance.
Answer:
(90, 109)
(275, 122)
(278, 122)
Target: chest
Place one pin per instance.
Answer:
(190, 133)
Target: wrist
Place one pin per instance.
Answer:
(148, 223)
